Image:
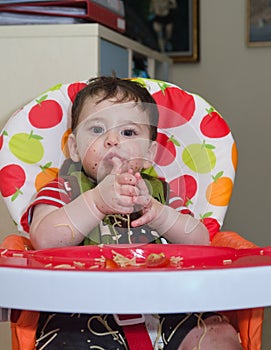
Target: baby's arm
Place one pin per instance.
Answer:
(68, 225)
(65, 226)
(175, 227)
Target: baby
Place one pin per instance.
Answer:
(112, 146)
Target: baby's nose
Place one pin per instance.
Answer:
(112, 140)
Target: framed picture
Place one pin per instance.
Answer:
(168, 26)
(259, 22)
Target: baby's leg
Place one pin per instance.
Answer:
(211, 334)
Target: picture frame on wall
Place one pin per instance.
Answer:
(259, 23)
(168, 26)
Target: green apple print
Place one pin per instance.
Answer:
(162, 85)
(141, 81)
(27, 147)
(199, 157)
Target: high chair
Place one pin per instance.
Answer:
(198, 158)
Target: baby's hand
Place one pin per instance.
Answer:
(115, 193)
(146, 203)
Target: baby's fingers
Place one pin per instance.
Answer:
(141, 185)
(146, 218)
(128, 190)
(126, 179)
(117, 163)
(142, 201)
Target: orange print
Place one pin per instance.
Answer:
(45, 176)
(219, 191)
(64, 143)
(234, 156)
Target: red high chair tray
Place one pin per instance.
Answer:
(135, 278)
(136, 257)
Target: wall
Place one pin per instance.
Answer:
(236, 80)
(5, 338)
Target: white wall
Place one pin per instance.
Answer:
(236, 80)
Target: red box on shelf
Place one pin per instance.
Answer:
(92, 11)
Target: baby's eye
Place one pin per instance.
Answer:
(97, 130)
(129, 132)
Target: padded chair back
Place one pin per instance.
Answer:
(196, 154)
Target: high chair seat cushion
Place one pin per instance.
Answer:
(196, 151)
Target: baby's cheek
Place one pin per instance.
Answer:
(136, 165)
(90, 160)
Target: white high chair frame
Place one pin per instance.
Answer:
(135, 292)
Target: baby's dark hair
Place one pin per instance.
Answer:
(122, 90)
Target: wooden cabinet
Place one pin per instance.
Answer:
(35, 57)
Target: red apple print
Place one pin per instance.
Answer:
(4, 133)
(184, 186)
(166, 150)
(12, 178)
(213, 125)
(210, 223)
(176, 107)
(45, 114)
(74, 88)
(175, 201)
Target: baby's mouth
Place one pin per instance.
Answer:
(123, 164)
(109, 157)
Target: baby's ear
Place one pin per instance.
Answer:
(150, 155)
(72, 144)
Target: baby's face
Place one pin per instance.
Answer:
(110, 134)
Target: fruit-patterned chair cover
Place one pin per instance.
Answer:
(196, 155)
